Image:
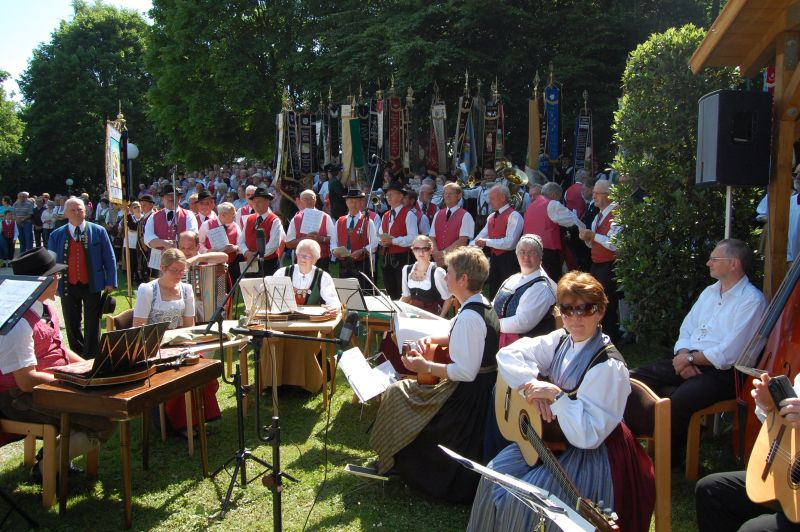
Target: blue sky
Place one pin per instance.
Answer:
(24, 24)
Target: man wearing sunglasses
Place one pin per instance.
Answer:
(712, 336)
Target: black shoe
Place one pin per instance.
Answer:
(35, 476)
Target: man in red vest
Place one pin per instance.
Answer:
(544, 217)
(358, 235)
(33, 345)
(86, 248)
(452, 226)
(573, 197)
(205, 207)
(143, 250)
(425, 204)
(410, 202)
(397, 233)
(323, 233)
(162, 228)
(274, 237)
(604, 253)
(499, 236)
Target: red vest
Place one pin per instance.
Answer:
(77, 267)
(497, 228)
(573, 199)
(447, 231)
(244, 211)
(601, 254)
(266, 225)
(8, 229)
(431, 210)
(324, 249)
(46, 345)
(359, 237)
(398, 229)
(537, 222)
(233, 235)
(164, 230)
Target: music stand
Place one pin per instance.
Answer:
(17, 294)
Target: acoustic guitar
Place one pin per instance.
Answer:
(519, 422)
(773, 471)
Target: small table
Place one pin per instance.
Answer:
(121, 404)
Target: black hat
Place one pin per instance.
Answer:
(354, 193)
(203, 194)
(398, 186)
(148, 198)
(262, 193)
(167, 189)
(37, 261)
(107, 303)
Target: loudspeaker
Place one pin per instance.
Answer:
(733, 138)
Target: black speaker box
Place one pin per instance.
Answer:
(733, 138)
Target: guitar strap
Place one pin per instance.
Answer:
(605, 353)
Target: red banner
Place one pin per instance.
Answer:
(395, 133)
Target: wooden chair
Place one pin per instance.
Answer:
(124, 320)
(693, 437)
(49, 466)
(649, 419)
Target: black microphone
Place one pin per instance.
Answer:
(261, 242)
(349, 328)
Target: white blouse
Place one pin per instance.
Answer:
(327, 290)
(533, 305)
(425, 284)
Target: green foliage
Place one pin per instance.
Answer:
(11, 129)
(667, 238)
(73, 84)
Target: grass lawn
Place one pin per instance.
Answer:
(172, 495)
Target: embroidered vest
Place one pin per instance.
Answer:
(601, 254)
(359, 236)
(447, 231)
(8, 229)
(537, 222)
(324, 249)
(266, 225)
(167, 230)
(46, 344)
(310, 295)
(233, 235)
(497, 228)
(398, 229)
(507, 301)
(77, 265)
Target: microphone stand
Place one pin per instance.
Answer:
(366, 210)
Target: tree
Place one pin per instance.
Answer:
(74, 83)
(666, 240)
(11, 129)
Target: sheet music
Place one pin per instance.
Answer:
(133, 237)
(253, 266)
(155, 259)
(365, 381)
(218, 238)
(280, 294)
(15, 293)
(312, 220)
(554, 508)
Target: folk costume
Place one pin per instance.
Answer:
(524, 305)
(602, 457)
(356, 233)
(502, 231)
(325, 230)
(545, 217)
(91, 267)
(401, 224)
(413, 419)
(429, 293)
(450, 224)
(604, 257)
(274, 236)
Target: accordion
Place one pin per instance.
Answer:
(209, 282)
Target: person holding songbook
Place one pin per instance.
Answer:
(414, 418)
(32, 346)
(357, 238)
(169, 299)
(423, 282)
(585, 392)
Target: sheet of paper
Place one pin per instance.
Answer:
(312, 220)
(341, 251)
(132, 239)
(155, 259)
(15, 292)
(280, 294)
(365, 381)
(218, 238)
(253, 267)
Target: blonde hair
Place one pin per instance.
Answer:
(425, 239)
(311, 246)
(171, 256)
(471, 262)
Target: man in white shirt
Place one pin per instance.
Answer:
(452, 226)
(481, 194)
(275, 238)
(357, 234)
(712, 336)
(397, 232)
(499, 236)
(323, 232)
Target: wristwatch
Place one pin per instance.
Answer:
(430, 368)
(690, 357)
(558, 396)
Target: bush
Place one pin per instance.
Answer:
(667, 238)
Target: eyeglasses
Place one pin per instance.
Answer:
(712, 259)
(305, 256)
(527, 254)
(176, 270)
(420, 249)
(585, 309)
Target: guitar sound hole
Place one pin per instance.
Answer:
(524, 423)
(794, 474)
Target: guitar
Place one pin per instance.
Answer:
(773, 470)
(517, 425)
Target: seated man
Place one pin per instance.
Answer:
(712, 336)
(413, 419)
(29, 349)
(721, 499)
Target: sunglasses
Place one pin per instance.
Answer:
(420, 249)
(586, 309)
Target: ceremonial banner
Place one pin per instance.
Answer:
(468, 156)
(396, 134)
(490, 124)
(534, 137)
(292, 146)
(552, 102)
(114, 169)
(582, 156)
(332, 131)
(437, 152)
(375, 135)
(363, 124)
(306, 158)
(347, 145)
(408, 141)
(319, 155)
(500, 144)
(379, 108)
(355, 138)
(478, 111)
(280, 155)
(464, 108)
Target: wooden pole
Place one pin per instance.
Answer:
(785, 112)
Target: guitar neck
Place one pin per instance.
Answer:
(554, 466)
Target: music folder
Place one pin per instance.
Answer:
(352, 296)
(17, 294)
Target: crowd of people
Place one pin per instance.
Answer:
(502, 260)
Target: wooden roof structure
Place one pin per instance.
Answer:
(753, 34)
